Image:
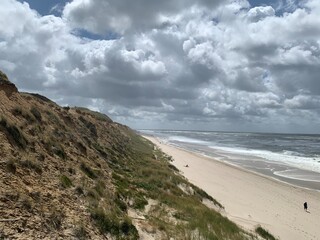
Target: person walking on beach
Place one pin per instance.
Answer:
(305, 205)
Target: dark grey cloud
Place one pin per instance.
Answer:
(292, 79)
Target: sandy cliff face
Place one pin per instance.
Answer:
(54, 167)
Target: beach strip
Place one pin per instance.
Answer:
(251, 199)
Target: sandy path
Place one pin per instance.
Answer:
(251, 199)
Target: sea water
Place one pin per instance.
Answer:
(293, 158)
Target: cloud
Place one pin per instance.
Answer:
(302, 102)
(32, 44)
(100, 16)
(288, 5)
(173, 63)
(259, 13)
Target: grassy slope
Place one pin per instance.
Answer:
(71, 172)
(148, 174)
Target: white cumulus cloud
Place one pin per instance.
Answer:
(171, 63)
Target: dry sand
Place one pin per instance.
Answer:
(251, 199)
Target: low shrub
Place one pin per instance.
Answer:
(127, 228)
(2, 235)
(36, 196)
(100, 149)
(65, 181)
(79, 190)
(204, 194)
(14, 133)
(88, 171)
(91, 127)
(174, 168)
(114, 225)
(59, 151)
(31, 165)
(26, 204)
(264, 233)
(36, 113)
(121, 204)
(100, 188)
(54, 147)
(11, 166)
(93, 194)
(18, 111)
(55, 218)
(105, 223)
(80, 233)
(139, 202)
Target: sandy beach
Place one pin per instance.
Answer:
(252, 199)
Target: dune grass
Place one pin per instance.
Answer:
(264, 233)
(65, 181)
(107, 223)
(14, 133)
(147, 174)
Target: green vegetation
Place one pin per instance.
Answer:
(82, 148)
(80, 232)
(3, 77)
(100, 188)
(55, 218)
(145, 173)
(40, 98)
(100, 149)
(2, 235)
(264, 233)
(26, 204)
(97, 115)
(91, 127)
(11, 166)
(53, 146)
(31, 165)
(88, 171)
(53, 118)
(59, 151)
(79, 190)
(113, 173)
(36, 113)
(65, 181)
(203, 195)
(14, 133)
(18, 111)
(123, 228)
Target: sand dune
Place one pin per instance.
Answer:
(251, 199)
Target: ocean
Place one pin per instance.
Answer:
(291, 158)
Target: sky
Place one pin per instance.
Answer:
(218, 65)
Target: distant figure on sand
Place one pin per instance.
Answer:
(305, 205)
(187, 165)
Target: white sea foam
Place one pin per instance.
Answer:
(294, 174)
(186, 140)
(146, 131)
(287, 157)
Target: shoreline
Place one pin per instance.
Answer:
(274, 170)
(251, 198)
(262, 167)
